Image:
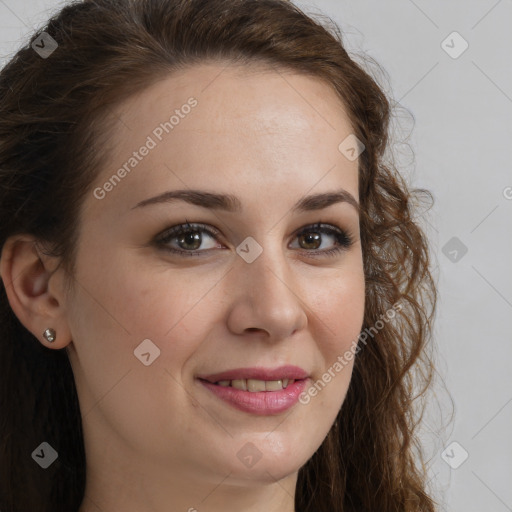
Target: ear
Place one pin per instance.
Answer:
(34, 289)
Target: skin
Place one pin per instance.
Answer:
(156, 439)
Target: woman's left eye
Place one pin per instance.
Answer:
(188, 236)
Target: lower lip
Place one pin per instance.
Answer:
(261, 403)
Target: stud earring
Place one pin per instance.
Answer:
(49, 335)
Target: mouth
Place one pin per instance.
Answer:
(259, 391)
(257, 378)
(255, 385)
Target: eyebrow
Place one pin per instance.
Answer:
(231, 203)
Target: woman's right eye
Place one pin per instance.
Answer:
(186, 235)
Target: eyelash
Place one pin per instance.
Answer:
(343, 239)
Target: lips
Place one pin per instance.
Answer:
(289, 372)
(260, 403)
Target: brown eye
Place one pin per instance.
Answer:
(311, 238)
(188, 237)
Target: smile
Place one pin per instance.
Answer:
(261, 398)
(255, 385)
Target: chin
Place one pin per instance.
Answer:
(260, 475)
(266, 470)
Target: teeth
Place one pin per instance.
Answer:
(255, 385)
(258, 385)
(239, 384)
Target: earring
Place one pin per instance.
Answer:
(49, 335)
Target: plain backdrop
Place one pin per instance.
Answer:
(449, 74)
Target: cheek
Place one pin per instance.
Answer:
(339, 309)
(338, 313)
(113, 311)
(134, 300)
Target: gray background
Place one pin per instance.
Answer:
(459, 117)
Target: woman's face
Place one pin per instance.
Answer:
(147, 318)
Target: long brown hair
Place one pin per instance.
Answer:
(53, 121)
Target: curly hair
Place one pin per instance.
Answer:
(53, 119)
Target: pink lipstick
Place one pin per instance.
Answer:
(258, 390)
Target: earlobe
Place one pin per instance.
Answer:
(26, 275)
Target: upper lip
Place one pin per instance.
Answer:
(258, 373)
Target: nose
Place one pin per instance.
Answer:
(266, 296)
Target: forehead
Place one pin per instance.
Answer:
(237, 90)
(247, 124)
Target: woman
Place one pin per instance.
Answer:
(214, 295)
